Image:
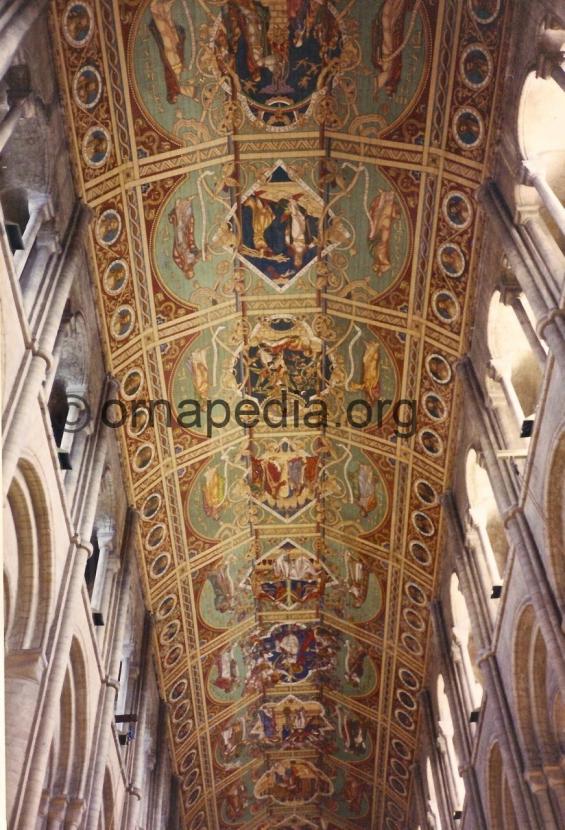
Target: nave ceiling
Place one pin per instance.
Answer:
(284, 198)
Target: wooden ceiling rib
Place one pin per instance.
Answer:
(284, 197)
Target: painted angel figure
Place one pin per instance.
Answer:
(185, 251)
(169, 37)
(389, 40)
(383, 213)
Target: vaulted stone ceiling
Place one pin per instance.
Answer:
(284, 198)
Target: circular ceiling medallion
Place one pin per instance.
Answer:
(193, 797)
(438, 368)
(181, 711)
(116, 276)
(405, 719)
(178, 690)
(445, 306)
(198, 822)
(131, 384)
(108, 227)
(87, 87)
(183, 731)
(451, 260)
(143, 457)
(156, 536)
(122, 322)
(138, 421)
(151, 506)
(166, 606)
(457, 210)
(188, 761)
(415, 594)
(413, 620)
(78, 24)
(431, 442)
(96, 146)
(401, 749)
(172, 656)
(412, 644)
(425, 492)
(399, 787)
(406, 699)
(190, 779)
(423, 523)
(476, 66)
(408, 678)
(468, 128)
(160, 565)
(420, 553)
(434, 407)
(169, 632)
(484, 11)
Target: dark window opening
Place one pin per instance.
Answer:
(92, 565)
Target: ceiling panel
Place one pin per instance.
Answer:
(284, 197)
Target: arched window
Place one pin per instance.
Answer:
(541, 137)
(447, 732)
(555, 517)
(501, 808)
(465, 641)
(514, 366)
(69, 749)
(432, 806)
(69, 388)
(27, 561)
(486, 520)
(531, 697)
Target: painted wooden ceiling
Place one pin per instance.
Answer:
(284, 198)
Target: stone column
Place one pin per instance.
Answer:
(135, 787)
(510, 296)
(460, 721)
(30, 797)
(15, 431)
(23, 107)
(548, 249)
(163, 774)
(105, 546)
(46, 245)
(535, 177)
(23, 17)
(420, 796)
(28, 806)
(517, 528)
(441, 781)
(111, 682)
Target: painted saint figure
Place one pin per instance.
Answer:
(185, 252)
(170, 37)
(383, 213)
(370, 383)
(389, 40)
(213, 493)
(228, 671)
